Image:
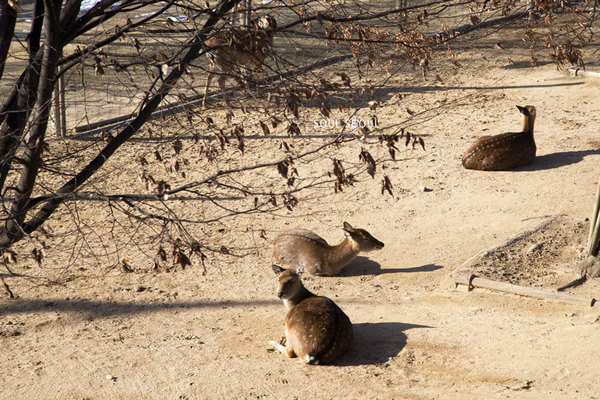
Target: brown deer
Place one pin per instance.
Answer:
(302, 247)
(234, 48)
(504, 151)
(316, 329)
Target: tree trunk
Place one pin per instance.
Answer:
(15, 228)
(17, 107)
(8, 18)
(32, 156)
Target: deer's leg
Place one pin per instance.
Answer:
(221, 81)
(278, 346)
(208, 79)
(289, 351)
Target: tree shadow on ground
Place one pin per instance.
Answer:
(103, 309)
(364, 266)
(376, 343)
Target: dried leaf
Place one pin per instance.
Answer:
(38, 255)
(161, 254)
(189, 115)
(275, 122)
(180, 258)
(238, 132)
(222, 138)
(9, 256)
(340, 174)
(126, 265)
(174, 167)
(364, 131)
(177, 146)
(228, 116)
(107, 136)
(386, 185)
(290, 201)
(264, 128)
(293, 129)
(366, 157)
(163, 187)
(345, 78)
(282, 168)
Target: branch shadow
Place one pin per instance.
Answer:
(557, 160)
(525, 64)
(364, 266)
(376, 343)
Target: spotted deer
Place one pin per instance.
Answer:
(504, 151)
(302, 247)
(234, 48)
(316, 330)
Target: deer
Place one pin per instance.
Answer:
(317, 331)
(233, 48)
(504, 151)
(302, 247)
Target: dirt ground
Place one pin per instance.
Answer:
(188, 335)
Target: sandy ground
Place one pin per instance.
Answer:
(188, 335)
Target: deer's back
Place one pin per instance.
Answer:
(500, 152)
(318, 330)
(300, 247)
(241, 47)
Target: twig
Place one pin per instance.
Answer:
(573, 283)
(11, 295)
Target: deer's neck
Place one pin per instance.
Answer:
(528, 123)
(340, 255)
(297, 298)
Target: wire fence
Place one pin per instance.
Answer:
(113, 82)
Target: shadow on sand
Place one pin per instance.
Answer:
(376, 343)
(364, 266)
(557, 160)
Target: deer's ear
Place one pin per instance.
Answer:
(300, 270)
(277, 269)
(347, 226)
(523, 110)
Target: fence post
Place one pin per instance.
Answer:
(59, 105)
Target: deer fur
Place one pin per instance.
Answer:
(235, 48)
(504, 151)
(316, 329)
(302, 247)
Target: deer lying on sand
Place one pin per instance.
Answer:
(316, 329)
(302, 247)
(504, 151)
(235, 48)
